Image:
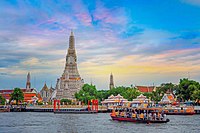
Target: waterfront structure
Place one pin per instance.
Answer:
(144, 89)
(141, 100)
(114, 101)
(28, 81)
(168, 98)
(70, 82)
(111, 85)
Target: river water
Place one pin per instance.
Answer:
(33, 122)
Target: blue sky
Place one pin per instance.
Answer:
(141, 42)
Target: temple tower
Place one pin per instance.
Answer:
(70, 82)
(111, 82)
(28, 81)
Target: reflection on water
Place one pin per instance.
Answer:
(31, 122)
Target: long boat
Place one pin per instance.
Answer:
(138, 120)
(139, 115)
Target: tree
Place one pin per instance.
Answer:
(88, 92)
(102, 94)
(65, 101)
(186, 89)
(17, 95)
(168, 87)
(130, 93)
(2, 100)
(196, 95)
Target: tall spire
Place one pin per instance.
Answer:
(111, 82)
(28, 81)
(70, 82)
(71, 41)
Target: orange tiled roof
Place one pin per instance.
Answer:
(145, 88)
(39, 97)
(27, 95)
(170, 97)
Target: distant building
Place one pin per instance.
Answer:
(114, 101)
(46, 93)
(168, 98)
(144, 89)
(141, 100)
(28, 95)
(111, 85)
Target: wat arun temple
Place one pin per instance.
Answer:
(70, 82)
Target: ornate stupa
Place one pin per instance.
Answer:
(111, 85)
(70, 82)
(28, 81)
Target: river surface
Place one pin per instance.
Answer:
(33, 122)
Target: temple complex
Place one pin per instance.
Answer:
(70, 82)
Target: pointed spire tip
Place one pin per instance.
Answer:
(72, 33)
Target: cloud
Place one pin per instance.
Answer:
(34, 37)
(109, 16)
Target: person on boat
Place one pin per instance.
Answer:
(141, 116)
(164, 117)
(117, 113)
(134, 115)
(145, 115)
(154, 116)
(122, 114)
(159, 116)
(150, 116)
(113, 113)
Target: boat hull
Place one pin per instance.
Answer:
(5, 110)
(137, 121)
(174, 113)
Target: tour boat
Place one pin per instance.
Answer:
(138, 120)
(139, 115)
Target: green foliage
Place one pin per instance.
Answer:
(130, 93)
(188, 89)
(88, 92)
(185, 90)
(2, 100)
(102, 94)
(39, 103)
(167, 87)
(17, 95)
(49, 103)
(65, 101)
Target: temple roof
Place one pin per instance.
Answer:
(45, 88)
(145, 88)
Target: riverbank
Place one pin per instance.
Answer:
(49, 108)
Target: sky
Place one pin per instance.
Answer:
(140, 42)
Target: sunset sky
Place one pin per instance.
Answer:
(142, 42)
